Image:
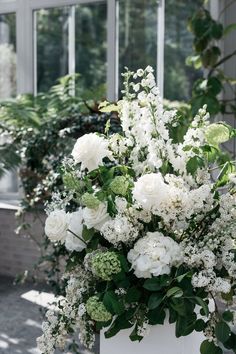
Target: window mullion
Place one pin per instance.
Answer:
(25, 33)
(160, 45)
(112, 49)
(71, 49)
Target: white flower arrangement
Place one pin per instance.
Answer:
(147, 228)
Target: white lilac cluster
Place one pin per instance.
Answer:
(142, 204)
(71, 313)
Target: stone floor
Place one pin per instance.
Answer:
(21, 316)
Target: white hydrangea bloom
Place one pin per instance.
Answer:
(154, 254)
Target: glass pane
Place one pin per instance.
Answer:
(137, 34)
(178, 77)
(91, 44)
(7, 56)
(52, 46)
(8, 184)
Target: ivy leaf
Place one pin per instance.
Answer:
(210, 348)
(222, 331)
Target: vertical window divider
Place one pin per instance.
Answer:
(71, 49)
(25, 39)
(112, 49)
(160, 45)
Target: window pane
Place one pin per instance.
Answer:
(137, 34)
(52, 46)
(7, 56)
(91, 44)
(178, 77)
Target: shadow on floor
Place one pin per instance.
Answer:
(21, 317)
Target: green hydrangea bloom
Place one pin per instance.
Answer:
(119, 185)
(106, 264)
(97, 310)
(217, 133)
(90, 201)
(71, 183)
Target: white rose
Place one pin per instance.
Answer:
(149, 190)
(75, 228)
(56, 226)
(90, 150)
(96, 217)
(154, 254)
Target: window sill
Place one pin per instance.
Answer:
(9, 203)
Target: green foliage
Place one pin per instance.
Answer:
(40, 131)
(210, 348)
(207, 55)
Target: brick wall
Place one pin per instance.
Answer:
(18, 251)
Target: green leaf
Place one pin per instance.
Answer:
(119, 323)
(182, 276)
(156, 316)
(179, 305)
(231, 342)
(134, 335)
(193, 164)
(200, 325)
(152, 284)
(185, 325)
(124, 263)
(203, 304)
(217, 30)
(155, 300)
(227, 316)
(175, 292)
(214, 86)
(210, 348)
(229, 28)
(112, 303)
(133, 295)
(87, 234)
(222, 331)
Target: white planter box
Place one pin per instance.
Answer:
(161, 340)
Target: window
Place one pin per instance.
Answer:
(137, 34)
(8, 184)
(178, 77)
(7, 55)
(91, 45)
(52, 46)
(71, 39)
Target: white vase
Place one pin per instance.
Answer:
(161, 340)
